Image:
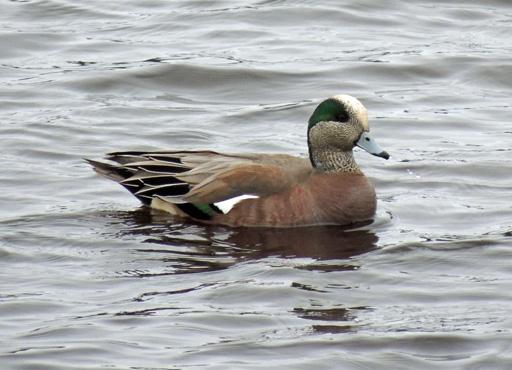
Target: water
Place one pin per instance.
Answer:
(89, 280)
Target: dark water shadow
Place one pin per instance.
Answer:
(185, 248)
(188, 247)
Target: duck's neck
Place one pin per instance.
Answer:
(334, 161)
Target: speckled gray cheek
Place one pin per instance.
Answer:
(333, 136)
(330, 147)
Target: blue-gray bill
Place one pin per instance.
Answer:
(367, 143)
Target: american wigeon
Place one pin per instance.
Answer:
(272, 190)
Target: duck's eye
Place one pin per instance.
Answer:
(342, 117)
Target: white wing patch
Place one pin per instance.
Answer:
(226, 205)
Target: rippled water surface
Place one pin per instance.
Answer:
(90, 280)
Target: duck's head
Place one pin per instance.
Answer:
(339, 124)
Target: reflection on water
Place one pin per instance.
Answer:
(191, 248)
(187, 248)
(330, 315)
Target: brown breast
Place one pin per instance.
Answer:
(323, 198)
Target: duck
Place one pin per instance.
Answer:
(261, 190)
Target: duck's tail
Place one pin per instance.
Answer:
(155, 184)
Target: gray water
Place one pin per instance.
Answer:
(90, 280)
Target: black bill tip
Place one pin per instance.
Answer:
(383, 154)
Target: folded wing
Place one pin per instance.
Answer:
(194, 181)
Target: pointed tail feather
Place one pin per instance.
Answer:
(161, 177)
(109, 171)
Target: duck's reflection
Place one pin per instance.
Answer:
(320, 242)
(330, 320)
(184, 248)
(194, 247)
